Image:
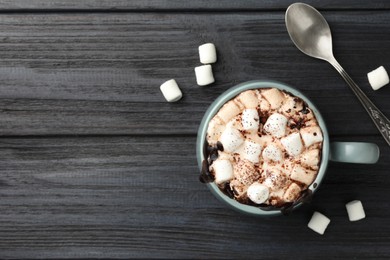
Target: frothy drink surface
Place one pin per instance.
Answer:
(264, 147)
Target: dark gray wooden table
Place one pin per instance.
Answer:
(94, 163)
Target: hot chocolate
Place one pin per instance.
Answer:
(263, 148)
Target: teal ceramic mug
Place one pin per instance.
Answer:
(349, 152)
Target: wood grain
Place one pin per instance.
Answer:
(82, 74)
(95, 164)
(195, 5)
(140, 197)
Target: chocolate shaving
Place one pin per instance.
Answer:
(305, 110)
(206, 149)
(220, 146)
(227, 190)
(214, 156)
(298, 125)
(205, 175)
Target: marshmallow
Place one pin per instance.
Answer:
(318, 223)
(207, 53)
(251, 151)
(290, 106)
(215, 129)
(302, 175)
(258, 193)
(274, 97)
(355, 210)
(245, 172)
(275, 179)
(204, 75)
(378, 78)
(311, 135)
(264, 105)
(250, 119)
(276, 125)
(228, 111)
(225, 156)
(223, 171)
(249, 99)
(272, 153)
(171, 90)
(292, 192)
(293, 144)
(231, 139)
(310, 158)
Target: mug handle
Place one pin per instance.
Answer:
(354, 152)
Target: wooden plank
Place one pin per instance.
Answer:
(100, 73)
(140, 197)
(113, 5)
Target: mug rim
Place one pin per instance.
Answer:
(230, 94)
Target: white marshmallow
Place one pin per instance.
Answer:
(275, 179)
(250, 119)
(245, 172)
(231, 139)
(276, 125)
(310, 158)
(274, 97)
(249, 99)
(293, 144)
(204, 75)
(215, 129)
(258, 193)
(302, 175)
(292, 192)
(228, 111)
(318, 223)
(355, 210)
(171, 90)
(378, 78)
(311, 135)
(207, 53)
(264, 105)
(291, 106)
(223, 171)
(272, 153)
(251, 151)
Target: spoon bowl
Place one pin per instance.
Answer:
(311, 34)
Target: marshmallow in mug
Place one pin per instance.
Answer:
(292, 144)
(258, 193)
(223, 171)
(231, 139)
(276, 125)
(250, 119)
(251, 151)
(311, 135)
(272, 153)
(378, 78)
(204, 75)
(171, 90)
(207, 53)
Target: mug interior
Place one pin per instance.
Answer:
(230, 94)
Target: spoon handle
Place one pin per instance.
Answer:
(380, 120)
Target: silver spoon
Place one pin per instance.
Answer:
(310, 32)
